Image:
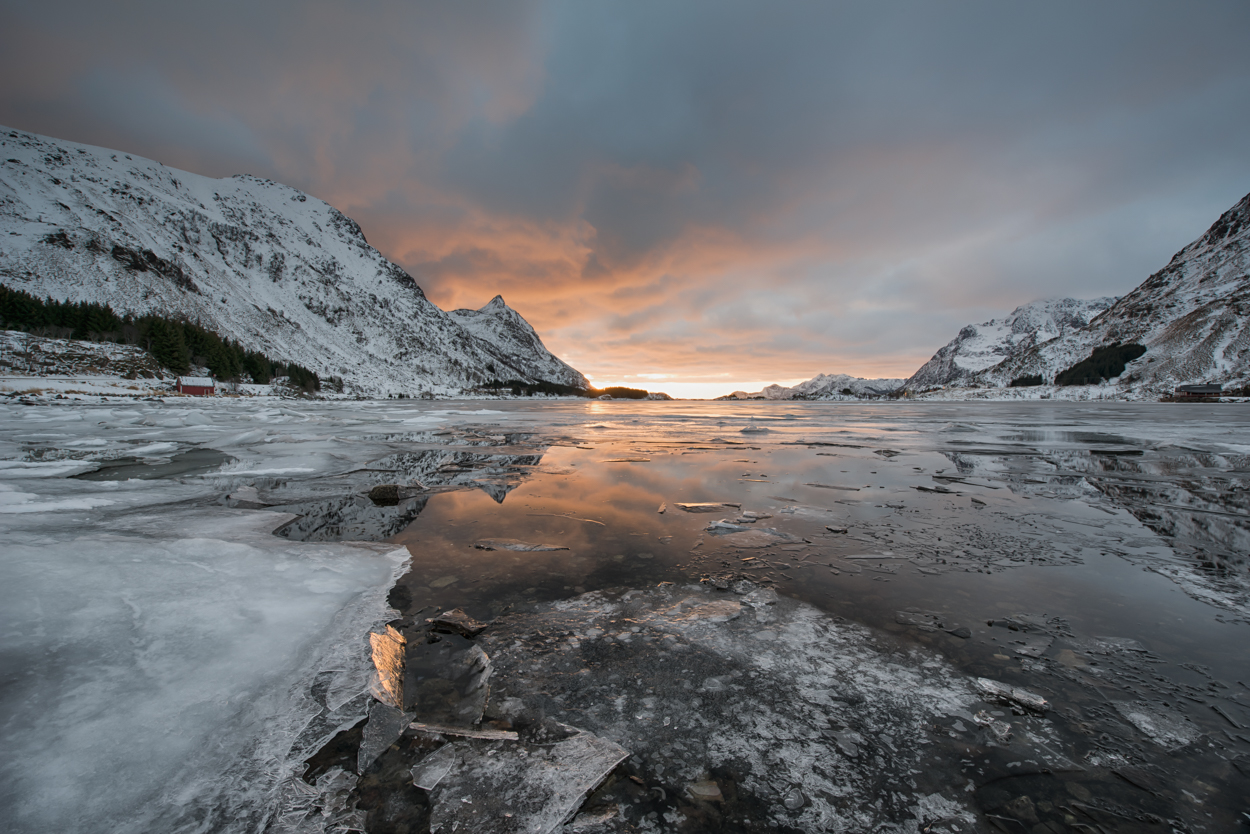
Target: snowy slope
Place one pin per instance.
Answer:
(982, 346)
(1193, 316)
(278, 270)
(825, 387)
(503, 327)
(22, 354)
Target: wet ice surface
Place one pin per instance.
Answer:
(1090, 556)
(803, 721)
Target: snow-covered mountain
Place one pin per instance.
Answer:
(825, 387)
(503, 327)
(280, 271)
(982, 346)
(1193, 317)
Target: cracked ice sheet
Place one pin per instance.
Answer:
(757, 684)
(157, 664)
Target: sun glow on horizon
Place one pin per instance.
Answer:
(691, 390)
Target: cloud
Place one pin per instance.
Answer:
(693, 189)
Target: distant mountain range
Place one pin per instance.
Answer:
(279, 271)
(1192, 318)
(823, 387)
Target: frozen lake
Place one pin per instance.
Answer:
(188, 589)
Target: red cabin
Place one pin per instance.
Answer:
(197, 386)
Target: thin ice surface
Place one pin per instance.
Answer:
(806, 714)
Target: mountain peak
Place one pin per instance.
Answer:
(495, 304)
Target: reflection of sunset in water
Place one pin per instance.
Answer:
(1006, 539)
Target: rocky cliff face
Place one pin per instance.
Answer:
(262, 263)
(982, 346)
(1193, 317)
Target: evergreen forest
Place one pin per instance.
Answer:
(176, 344)
(1106, 362)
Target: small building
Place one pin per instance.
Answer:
(1186, 391)
(196, 386)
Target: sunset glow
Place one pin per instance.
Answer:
(691, 194)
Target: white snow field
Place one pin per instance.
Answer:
(160, 648)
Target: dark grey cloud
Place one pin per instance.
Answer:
(832, 185)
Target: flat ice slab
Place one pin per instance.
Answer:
(168, 662)
(488, 786)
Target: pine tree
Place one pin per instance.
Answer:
(169, 347)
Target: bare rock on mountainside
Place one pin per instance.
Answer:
(279, 271)
(984, 345)
(1192, 316)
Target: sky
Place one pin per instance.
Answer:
(693, 197)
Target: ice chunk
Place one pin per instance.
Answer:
(724, 527)
(1018, 699)
(388, 659)
(447, 681)
(748, 537)
(696, 690)
(463, 732)
(706, 507)
(706, 790)
(497, 786)
(165, 662)
(514, 544)
(385, 725)
(1168, 729)
(924, 620)
(1032, 645)
(427, 773)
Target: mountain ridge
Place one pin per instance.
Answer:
(823, 387)
(254, 260)
(978, 347)
(1192, 316)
